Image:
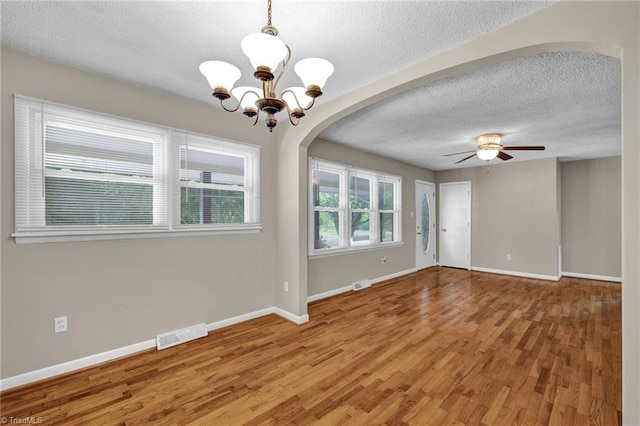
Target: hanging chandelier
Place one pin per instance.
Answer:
(266, 52)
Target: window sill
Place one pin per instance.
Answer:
(350, 250)
(59, 236)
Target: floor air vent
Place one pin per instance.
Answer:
(359, 285)
(166, 340)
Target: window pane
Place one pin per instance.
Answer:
(91, 202)
(96, 153)
(326, 230)
(345, 207)
(385, 195)
(326, 189)
(203, 205)
(424, 222)
(360, 228)
(359, 193)
(386, 227)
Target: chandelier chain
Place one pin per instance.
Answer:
(269, 29)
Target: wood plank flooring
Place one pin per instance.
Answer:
(442, 346)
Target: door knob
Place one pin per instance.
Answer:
(444, 229)
(419, 233)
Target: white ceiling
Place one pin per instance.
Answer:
(569, 102)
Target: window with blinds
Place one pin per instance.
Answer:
(218, 181)
(352, 208)
(80, 173)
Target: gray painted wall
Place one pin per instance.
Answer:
(514, 209)
(116, 293)
(592, 217)
(329, 273)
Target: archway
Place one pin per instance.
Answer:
(608, 28)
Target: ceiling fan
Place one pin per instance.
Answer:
(489, 147)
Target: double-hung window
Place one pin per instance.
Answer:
(84, 175)
(218, 181)
(352, 208)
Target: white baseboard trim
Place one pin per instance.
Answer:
(91, 360)
(240, 318)
(345, 289)
(76, 364)
(517, 274)
(394, 275)
(329, 293)
(592, 277)
(298, 319)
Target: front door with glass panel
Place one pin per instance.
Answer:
(425, 224)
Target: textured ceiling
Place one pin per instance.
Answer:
(567, 101)
(160, 45)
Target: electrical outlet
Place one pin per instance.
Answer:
(60, 324)
(383, 260)
(286, 286)
(508, 256)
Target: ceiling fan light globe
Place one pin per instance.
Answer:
(314, 71)
(219, 74)
(264, 50)
(487, 154)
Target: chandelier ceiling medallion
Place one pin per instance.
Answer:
(266, 52)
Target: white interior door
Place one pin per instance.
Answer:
(425, 224)
(455, 224)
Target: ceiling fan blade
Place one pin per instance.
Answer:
(504, 156)
(457, 153)
(465, 159)
(524, 148)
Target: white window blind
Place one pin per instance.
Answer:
(218, 181)
(80, 172)
(85, 169)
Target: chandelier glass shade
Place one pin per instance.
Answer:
(268, 54)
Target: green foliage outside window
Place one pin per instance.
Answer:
(202, 206)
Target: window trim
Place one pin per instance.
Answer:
(346, 172)
(250, 189)
(47, 236)
(35, 231)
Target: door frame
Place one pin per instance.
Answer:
(434, 220)
(440, 204)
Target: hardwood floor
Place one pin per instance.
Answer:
(442, 346)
